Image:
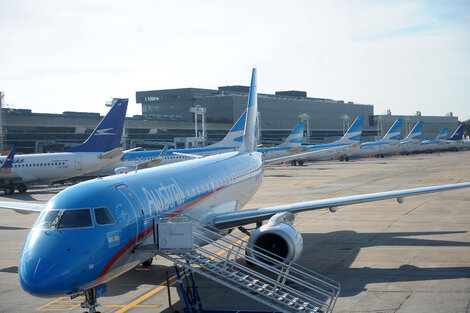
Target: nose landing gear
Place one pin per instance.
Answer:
(90, 301)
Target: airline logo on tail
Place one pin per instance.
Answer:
(354, 132)
(415, 133)
(295, 138)
(102, 132)
(395, 131)
(234, 137)
(458, 134)
(443, 134)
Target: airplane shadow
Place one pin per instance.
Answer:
(332, 254)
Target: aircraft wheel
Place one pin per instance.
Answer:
(22, 188)
(147, 263)
(346, 158)
(293, 162)
(341, 159)
(9, 190)
(300, 162)
(381, 155)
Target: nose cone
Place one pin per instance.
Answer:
(48, 267)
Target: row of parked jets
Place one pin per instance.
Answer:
(101, 153)
(89, 233)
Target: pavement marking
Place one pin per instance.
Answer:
(62, 304)
(319, 183)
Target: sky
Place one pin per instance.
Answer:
(405, 56)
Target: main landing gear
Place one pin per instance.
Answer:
(10, 188)
(295, 162)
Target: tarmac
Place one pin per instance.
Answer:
(388, 257)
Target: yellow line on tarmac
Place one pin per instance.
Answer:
(152, 292)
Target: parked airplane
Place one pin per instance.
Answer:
(379, 148)
(440, 143)
(289, 146)
(143, 159)
(101, 149)
(339, 148)
(88, 234)
(412, 141)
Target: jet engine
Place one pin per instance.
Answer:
(278, 237)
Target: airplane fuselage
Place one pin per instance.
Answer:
(88, 250)
(47, 167)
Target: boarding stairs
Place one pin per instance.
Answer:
(277, 283)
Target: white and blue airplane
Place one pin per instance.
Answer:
(339, 148)
(379, 148)
(102, 148)
(86, 235)
(438, 144)
(289, 146)
(411, 142)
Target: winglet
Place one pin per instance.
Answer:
(415, 133)
(235, 136)
(250, 142)
(8, 162)
(394, 132)
(107, 135)
(164, 151)
(295, 138)
(458, 134)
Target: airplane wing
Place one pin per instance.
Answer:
(22, 207)
(243, 217)
(112, 153)
(310, 153)
(189, 155)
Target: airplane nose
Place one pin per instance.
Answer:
(38, 275)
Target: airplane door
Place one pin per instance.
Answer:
(78, 163)
(136, 207)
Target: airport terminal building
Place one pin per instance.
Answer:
(167, 117)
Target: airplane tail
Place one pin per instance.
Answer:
(8, 162)
(394, 133)
(295, 138)
(458, 134)
(107, 135)
(250, 140)
(235, 136)
(415, 133)
(443, 134)
(354, 132)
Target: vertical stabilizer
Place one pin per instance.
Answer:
(250, 142)
(458, 134)
(234, 137)
(107, 135)
(8, 162)
(295, 138)
(415, 133)
(354, 132)
(394, 133)
(443, 134)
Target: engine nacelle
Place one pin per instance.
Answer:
(278, 237)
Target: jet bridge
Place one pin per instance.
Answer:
(223, 258)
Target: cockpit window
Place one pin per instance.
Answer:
(47, 219)
(103, 216)
(65, 219)
(75, 219)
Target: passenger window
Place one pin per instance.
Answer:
(76, 219)
(103, 216)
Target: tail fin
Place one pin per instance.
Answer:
(235, 136)
(415, 133)
(250, 142)
(8, 162)
(354, 132)
(458, 134)
(107, 135)
(443, 134)
(295, 138)
(394, 133)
